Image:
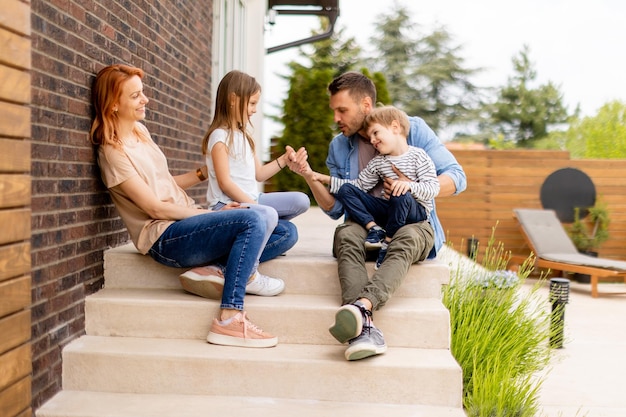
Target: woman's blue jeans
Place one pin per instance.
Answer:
(233, 238)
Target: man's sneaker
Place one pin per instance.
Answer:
(239, 331)
(374, 238)
(264, 285)
(205, 281)
(349, 321)
(369, 343)
(381, 255)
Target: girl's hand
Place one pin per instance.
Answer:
(297, 161)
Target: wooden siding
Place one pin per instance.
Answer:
(15, 213)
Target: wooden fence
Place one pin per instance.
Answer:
(499, 181)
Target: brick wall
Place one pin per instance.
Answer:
(73, 219)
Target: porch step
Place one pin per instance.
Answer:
(303, 273)
(145, 352)
(105, 404)
(297, 318)
(289, 371)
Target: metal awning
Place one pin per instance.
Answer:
(327, 8)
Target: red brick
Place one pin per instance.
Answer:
(73, 220)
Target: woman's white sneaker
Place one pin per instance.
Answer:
(265, 286)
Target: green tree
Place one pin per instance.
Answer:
(523, 114)
(305, 115)
(599, 136)
(426, 75)
(396, 51)
(307, 122)
(450, 97)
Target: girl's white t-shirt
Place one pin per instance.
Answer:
(241, 167)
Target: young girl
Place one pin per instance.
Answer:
(162, 220)
(233, 164)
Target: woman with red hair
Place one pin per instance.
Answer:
(162, 220)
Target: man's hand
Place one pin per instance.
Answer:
(398, 187)
(393, 186)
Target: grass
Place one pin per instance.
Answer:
(500, 335)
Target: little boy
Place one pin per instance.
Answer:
(410, 201)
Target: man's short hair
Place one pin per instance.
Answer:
(357, 84)
(385, 115)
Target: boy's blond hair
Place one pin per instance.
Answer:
(385, 115)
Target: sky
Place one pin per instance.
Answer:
(579, 45)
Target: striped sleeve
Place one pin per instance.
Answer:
(426, 185)
(368, 177)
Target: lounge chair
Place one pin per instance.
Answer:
(553, 248)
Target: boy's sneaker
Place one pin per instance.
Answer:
(205, 281)
(369, 343)
(375, 237)
(239, 331)
(381, 255)
(264, 285)
(349, 321)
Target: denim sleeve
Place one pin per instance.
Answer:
(423, 137)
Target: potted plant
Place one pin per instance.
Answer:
(589, 233)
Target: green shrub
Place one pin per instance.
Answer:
(500, 335)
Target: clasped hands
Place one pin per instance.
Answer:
(298, 163)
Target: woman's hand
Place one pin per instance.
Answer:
(235, 205)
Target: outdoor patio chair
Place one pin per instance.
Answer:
(553, 248)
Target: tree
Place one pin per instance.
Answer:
(307, 120)
(395, 54)
(600, 136)
(449, 96)
(306, 117)
(523, 114)
(426, 75)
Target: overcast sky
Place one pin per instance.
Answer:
(577, 44)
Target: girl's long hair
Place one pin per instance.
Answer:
(106, 91)
(228, 117)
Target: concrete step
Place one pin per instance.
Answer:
(429, 377)
(303, 272)
(294, 318)
(106, 404)
(145, 352)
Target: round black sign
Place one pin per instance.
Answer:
(566, 189)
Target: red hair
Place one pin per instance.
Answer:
(106, 92)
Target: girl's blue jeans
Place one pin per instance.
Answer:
(288, 204)
(233, 238)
